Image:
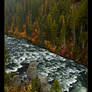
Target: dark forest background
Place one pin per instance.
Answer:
(58, 25)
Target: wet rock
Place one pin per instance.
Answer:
(32, 70)
(43, 83)
(16, 80)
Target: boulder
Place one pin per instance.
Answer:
(16, 80)
(43, 83)
(32, 70)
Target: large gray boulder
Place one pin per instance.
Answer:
(32, 70)
(43, 83)
(32, 73)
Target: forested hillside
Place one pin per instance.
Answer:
(58, 25)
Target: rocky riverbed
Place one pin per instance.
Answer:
(71, 75)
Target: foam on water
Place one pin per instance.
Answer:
(80, 89)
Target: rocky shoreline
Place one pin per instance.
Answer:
(31, 74)
(49, 64)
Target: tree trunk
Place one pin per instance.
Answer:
(82, 33)
(64, 41)
(74, 37)
(83, 45)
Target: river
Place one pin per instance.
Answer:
(71, 75)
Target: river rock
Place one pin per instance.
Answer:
(43, 83)
(16, 80)
(32, 70)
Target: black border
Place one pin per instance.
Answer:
(2, 46)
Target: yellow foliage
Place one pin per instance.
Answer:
(53, 48)
(47, 43)
(29, 87)
(23, 34)
(6, 89)
(11, 29)
(33, 40)
(28, 38)
(35, 36)
(10, 89)
(16, 32)
(26, 88)
(12, 25)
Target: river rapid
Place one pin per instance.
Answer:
(71, 75)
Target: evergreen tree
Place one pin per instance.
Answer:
(19, 16)
(35, 9)
(63, 31)
(55, 87)
(74, 18)
(53, 32)
(49, 22)
(35, 85)
(52, 29)
(83, 21)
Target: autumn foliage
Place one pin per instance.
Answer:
(58, 25)
(23, 88)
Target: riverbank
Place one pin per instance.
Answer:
(80, 60)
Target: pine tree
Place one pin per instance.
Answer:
(83, 21)
(35, 85)
(19, 16)
(56, 87)
(63, 31)
(52, 27)
(74, 18)
(49, 22)
(53, 30)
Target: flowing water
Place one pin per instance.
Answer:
(71, 75)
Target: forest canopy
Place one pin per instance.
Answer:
(59, 25)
